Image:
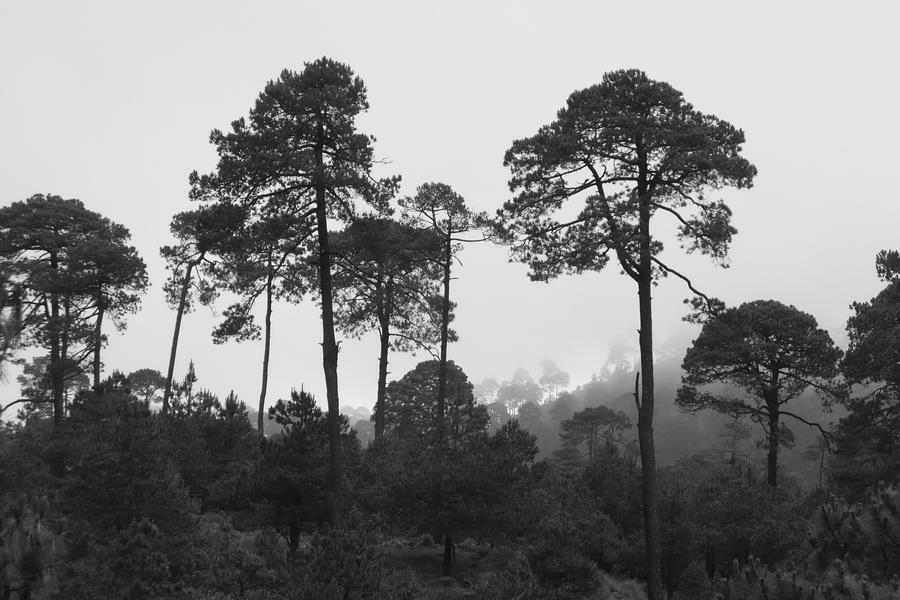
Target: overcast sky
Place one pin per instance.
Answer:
(113, 102)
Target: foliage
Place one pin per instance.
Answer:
(592, 425)
(768, 350)
(70, 266)
(865, 536)
(292, 479)
(146, 384)
(29, 548)
(346, 564)
(868, 444)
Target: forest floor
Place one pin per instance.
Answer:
(474, 564)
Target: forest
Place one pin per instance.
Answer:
(762, 463)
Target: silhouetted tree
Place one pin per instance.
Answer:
(294, 474)
(300, 148)
(146, 384)
(438, 207)
(198, 233)
(632, 148)
(51, 249)
(385, 281)
(116, 274)
(552, 379)
(260, 259)
(770, 351)
(867, 437)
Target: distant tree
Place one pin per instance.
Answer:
(198, 234)
(770, 351)
(868, 436)
(486, 391)
(411, 406)
(552, 379)
(632, 148)
(146, 384)
(519, 390)
(300, 148)
(384, 281)
(438, 207)
(498, 414)
(562, 407)
(48, 250)
(593, 425)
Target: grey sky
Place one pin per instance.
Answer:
(112, 103)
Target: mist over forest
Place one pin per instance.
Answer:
(757, 459)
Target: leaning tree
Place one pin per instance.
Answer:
(300, 148)
(630, 148)
(199, 234)
(769, 351)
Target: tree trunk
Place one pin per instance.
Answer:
(774, 439)
(98, 336)
(293, 536)
(449, 556)
(445, 327)
(649, 490)
(382, 379)
(56, 381)
(329, 345)
(266, 348)
(382, 308)
(181, 302)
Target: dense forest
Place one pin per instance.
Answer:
(760, 463)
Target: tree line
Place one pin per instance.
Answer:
(295, 210)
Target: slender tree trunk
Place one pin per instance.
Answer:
(56, 380)
(384, 338)
(449, 555)
(329, 345)
(649, 490)
(382, 378)
(172, 353)
(98, 336)
(266, 349)
(445, 328)
(774, 417)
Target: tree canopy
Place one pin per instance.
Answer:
(771, 352)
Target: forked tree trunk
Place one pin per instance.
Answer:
(329, 345)
(266, 349)
(185, 285)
